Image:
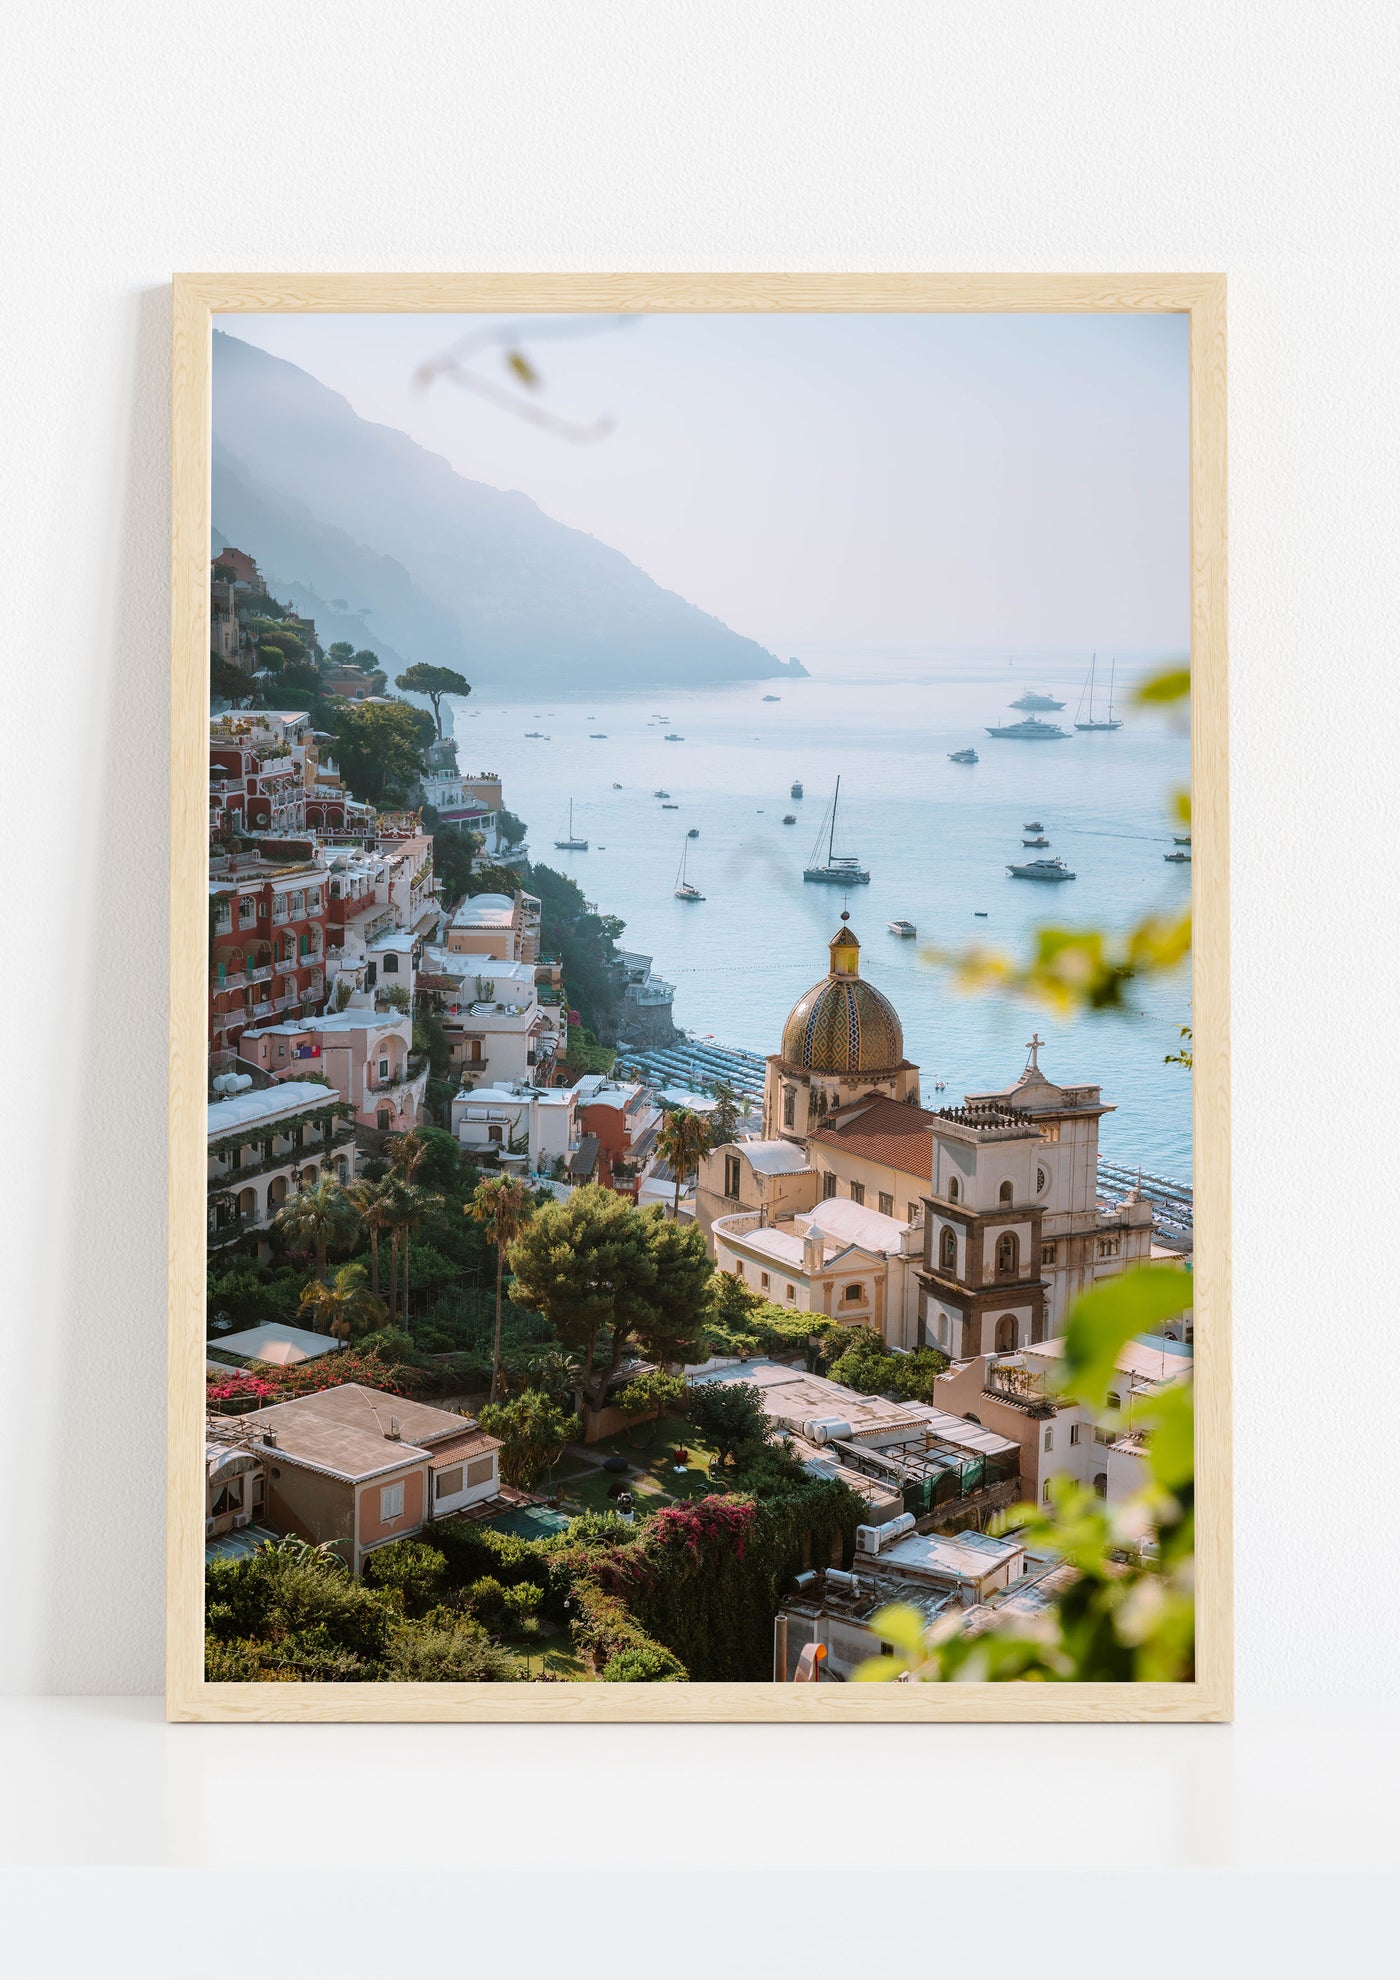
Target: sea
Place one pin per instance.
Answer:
(935, 835)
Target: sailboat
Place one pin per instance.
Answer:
(842, 869)
(1088, 691)
(571, 844)
(686, 890)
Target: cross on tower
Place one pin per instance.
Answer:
(1033, 1045)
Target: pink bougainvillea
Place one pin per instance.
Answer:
(699, 1523)
(235, 1388)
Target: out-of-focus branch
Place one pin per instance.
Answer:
(458, 365)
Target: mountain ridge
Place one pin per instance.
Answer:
(460, 574)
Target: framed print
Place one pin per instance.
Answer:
(699, 998)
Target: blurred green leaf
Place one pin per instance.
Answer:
(1171, 1443)
(1173, 684)
(1101, 1322)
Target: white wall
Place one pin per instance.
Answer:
(726, 134)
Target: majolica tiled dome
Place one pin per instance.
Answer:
(843, 1024)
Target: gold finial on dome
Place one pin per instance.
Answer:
(845, 951)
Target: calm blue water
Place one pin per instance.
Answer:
(934, 834)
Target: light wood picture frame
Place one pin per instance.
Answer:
(198, 299)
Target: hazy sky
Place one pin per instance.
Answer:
(998, 481)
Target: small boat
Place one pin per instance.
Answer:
(1032, 825)
(694, 832)
(661, 793)
(686, 890)
(1181, 838)
(533, 735)
(1041, 869)
(772, 697)
(673, 739)
(1039, 840)
(1088, 691)
(796, 790)
(1177, 859)
(1031, 700)
(939, 1085)
(601, 736)
(571, 844)
(964, 756)
(979, 914)
(902, 928)
(617, 787)
(670, 807)
(837, 869)
(789, 818)
(1031, 730)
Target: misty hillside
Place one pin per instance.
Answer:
(442, 569)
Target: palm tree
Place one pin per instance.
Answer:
(407, 1154)
(374, 1203)
(320, 1215)
(680, 1144)
(505, 1206)
(411, 1206)
(346, 1306)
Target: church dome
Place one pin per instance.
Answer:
(843, 1024)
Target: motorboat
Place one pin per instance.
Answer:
(826, 864)
(789, 818)
(1041, 869)
(670, 807)
(694, 832)
(617, 787)
(1100, 722)
(600, 736)
(903, 928)
(964, 756)
(1032, 825)
(661, 793)
(533, 735)
(1031, 730)
(572, 843)
(772, 697)
(979, 914)
(1177, 858)
(673, 739)
(1181, 838)
(1033, 700)
(796, 790)
(1039, 840)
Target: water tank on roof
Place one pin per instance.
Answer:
(232, 1082)
(821, 1429)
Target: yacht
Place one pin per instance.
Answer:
(1177, 858)
(1039, 840)
(532, 735)
(1031, 730)
(796, 790)
(1181, 838)
(903, 928)
(571, 844)
(1102, 722)
(826, 864)
(1041, 869)
(964, 756)
(661, 793)
(686, 890)
(1032, 700)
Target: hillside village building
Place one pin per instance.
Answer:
(497, 927)
(266, 1143)
(363, 1053)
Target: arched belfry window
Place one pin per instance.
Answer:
(948, 1249)
(1007, 1250)
(954, 1189)
(1005, 1194)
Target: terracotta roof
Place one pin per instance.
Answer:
(882, 1130)
(472, 1443)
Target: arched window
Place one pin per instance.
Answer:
(1006, 1333)
(1042, 1182)
(954, 1189)
(1007, 1251)
(789, 1106)
(1115, 1401)
(1101, 1484)
(948, 1249)
(1005, 1194)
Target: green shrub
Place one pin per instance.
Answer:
(868, 1366)
(439, 1653)
(410, 1570)
(644, 1665)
